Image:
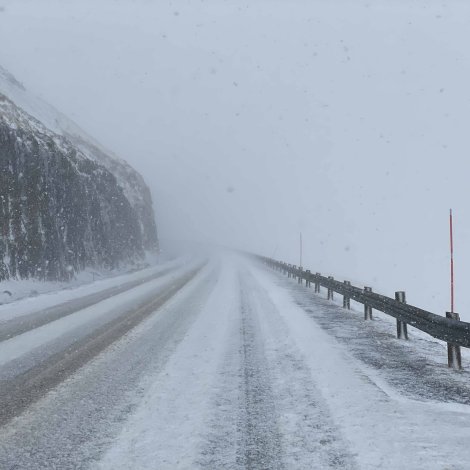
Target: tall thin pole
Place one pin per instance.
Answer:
(451, 262)
(300, 249)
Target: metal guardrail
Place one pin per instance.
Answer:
(450, 329)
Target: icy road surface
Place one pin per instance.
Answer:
(222, 364)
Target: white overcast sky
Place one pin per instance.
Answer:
(253, 121)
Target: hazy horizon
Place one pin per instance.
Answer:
(343, 121)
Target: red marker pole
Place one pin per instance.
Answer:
(451, 263)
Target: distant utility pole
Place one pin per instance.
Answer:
(300, 265)
(451, 262)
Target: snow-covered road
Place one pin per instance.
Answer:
(225, 365)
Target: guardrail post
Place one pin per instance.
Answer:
(308, 282)
(330, 291)
(346, 299)
(317, 284)
(402, 327)
(367, 308)
(454, 357)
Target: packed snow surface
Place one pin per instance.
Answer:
(240, 368)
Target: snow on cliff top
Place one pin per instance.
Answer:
(43, 112)
(131, 182)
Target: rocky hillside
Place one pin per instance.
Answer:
(65, 203)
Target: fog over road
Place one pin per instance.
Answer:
(220, 363)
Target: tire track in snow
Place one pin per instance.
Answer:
(74, 423)
(172, 421)
(243, 431)
(23, 390)
(261, 439)
(310, 437)
(267, 412)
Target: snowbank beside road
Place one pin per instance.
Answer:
(48, 294)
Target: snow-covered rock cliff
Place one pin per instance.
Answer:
(65, 202)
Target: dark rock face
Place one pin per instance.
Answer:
(60, 210)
